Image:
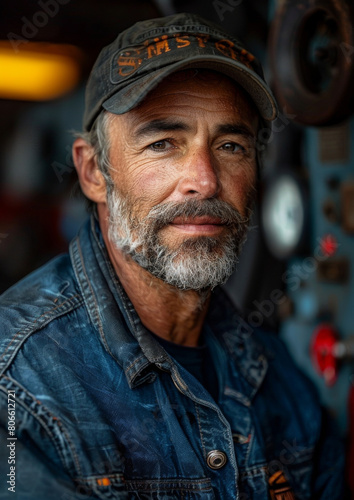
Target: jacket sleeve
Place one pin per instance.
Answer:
(30, 465)
(24, 469)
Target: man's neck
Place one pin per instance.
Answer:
(170, 313)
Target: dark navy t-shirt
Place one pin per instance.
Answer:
(197, 360)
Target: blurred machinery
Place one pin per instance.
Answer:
(308, 203)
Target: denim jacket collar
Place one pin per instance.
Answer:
(128, 341)
(239, 341)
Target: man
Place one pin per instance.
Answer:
(133, 377)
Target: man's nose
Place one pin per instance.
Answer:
(200, 176)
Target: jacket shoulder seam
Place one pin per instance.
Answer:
(21, 336)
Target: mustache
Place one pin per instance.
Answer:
(164, 213)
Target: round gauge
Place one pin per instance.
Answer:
(283, 216)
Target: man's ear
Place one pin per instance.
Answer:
(91, 179)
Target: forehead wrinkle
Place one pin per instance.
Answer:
(207, 103)
(181, 97)
(161, 125)
(160, 110)
(237, 128)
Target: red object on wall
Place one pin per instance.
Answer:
(322, 352)
(329, 245)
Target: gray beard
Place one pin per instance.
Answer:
(197, 263)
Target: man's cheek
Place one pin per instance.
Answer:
(244, 194)
(152, 187)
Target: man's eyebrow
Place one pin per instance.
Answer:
(236, 128)
(160, 126)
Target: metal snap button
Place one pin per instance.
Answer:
(216, 459)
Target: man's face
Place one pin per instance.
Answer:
(183, 170)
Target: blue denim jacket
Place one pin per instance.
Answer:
(103, 412)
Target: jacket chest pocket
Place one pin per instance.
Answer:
(162, 489)
(166, 489)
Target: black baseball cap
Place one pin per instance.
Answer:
(147, 52)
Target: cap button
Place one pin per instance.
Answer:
(216, 459)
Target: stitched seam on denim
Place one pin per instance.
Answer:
(117, 284)
(135, 322)
(113, 277)
(170, 480)
(203, 484)
(249, 445)
(200, 430)
(135, 362)
(30, 328)
(108, 264)
(43, 424)
(186, 29)
(175, 488)
(232, 453)
(92, 479)
(238, 396)
(99, 324)
(78, 246)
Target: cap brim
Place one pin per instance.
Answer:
(130, 96)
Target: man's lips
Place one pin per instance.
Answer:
(202, 220)
(204, 224)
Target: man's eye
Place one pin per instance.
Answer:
(161, 145)
(232, 147)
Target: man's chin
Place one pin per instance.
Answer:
(196, 265)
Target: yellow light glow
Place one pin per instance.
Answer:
(38, 72)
